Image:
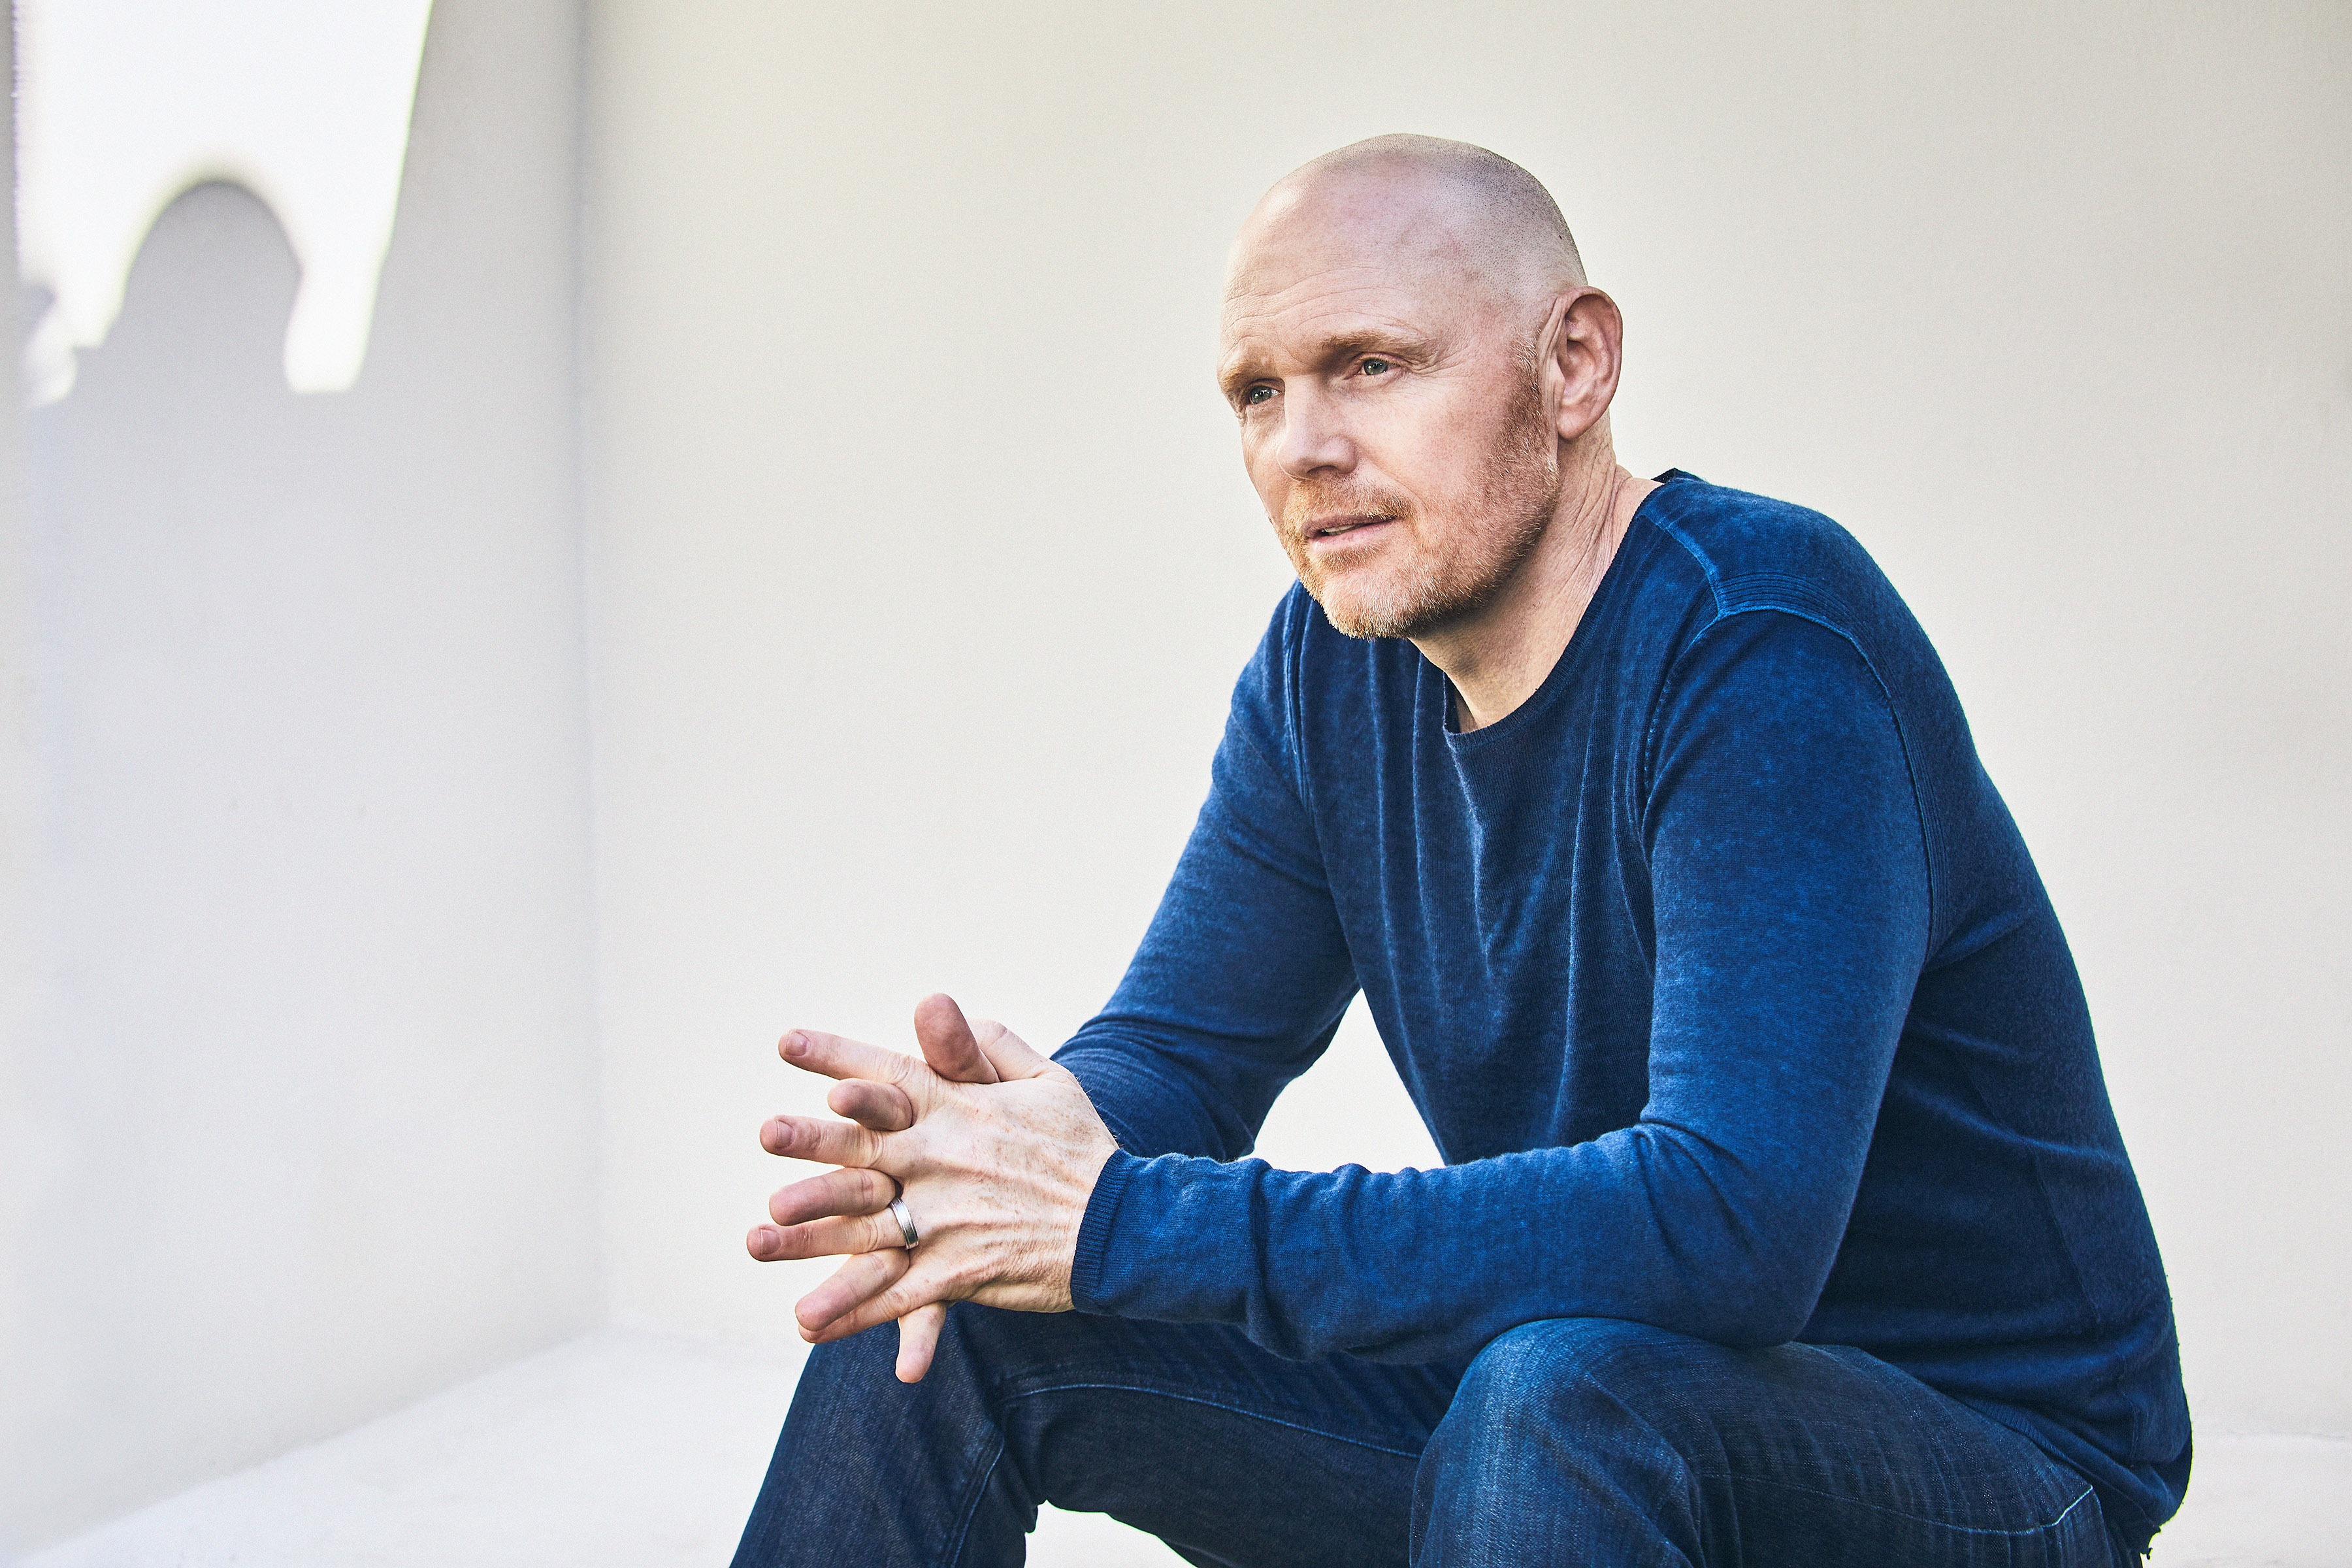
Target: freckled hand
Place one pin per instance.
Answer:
(995, 1150)
(951, 1050)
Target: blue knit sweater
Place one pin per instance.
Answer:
(1719, 973)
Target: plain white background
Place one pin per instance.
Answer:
(882, 514)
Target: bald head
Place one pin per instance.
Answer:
(1421, 203)
(1422, 377)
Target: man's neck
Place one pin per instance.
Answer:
(1497, 660)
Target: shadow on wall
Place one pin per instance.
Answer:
(311, 1110)
(237, 657)
(124, 102)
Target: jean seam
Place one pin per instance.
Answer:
(971, 1507)
(1217, 1405)
(1875, 1508)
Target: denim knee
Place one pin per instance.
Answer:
(1555, 1393)
(1551, 1418)
(1527, 1372)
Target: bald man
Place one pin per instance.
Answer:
(1784, 1219)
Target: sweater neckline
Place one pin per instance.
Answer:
(1562, 676)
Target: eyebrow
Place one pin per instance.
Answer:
(1393, 341)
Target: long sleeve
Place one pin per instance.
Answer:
(1243, 974)
(1775, 839)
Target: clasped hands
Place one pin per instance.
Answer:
(994, 1149)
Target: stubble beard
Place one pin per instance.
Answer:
(1500, 524)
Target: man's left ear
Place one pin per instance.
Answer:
(1584, 355)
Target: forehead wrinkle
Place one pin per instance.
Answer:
(1417, 270)
(1350, 336)
(1308, 319)
(1368, 288)
(1346, 276)
(1323, 328)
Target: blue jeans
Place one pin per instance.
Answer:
(1579, 1441)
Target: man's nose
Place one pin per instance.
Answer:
(1315, 440)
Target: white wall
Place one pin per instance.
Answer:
(306, 1124)
(123, 104)
(920, 567)
(22, 976)
(921, 562)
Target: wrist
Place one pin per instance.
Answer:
(1111, 1178)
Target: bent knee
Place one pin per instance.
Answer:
(1607, 1349)
(1579, 1372)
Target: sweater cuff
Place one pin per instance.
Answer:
(1094, 1231)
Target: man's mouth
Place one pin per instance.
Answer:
(1337, 527)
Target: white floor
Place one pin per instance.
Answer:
(638, 1451)
(618, 1450)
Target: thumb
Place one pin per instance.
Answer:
(1013, 1056)
(948, 1044)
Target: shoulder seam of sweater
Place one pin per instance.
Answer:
(1674, 532)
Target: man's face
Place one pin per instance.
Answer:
(1393, 420)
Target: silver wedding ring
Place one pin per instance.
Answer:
(906, 1222)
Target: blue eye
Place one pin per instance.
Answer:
(1254, 395)
(1378, 368)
